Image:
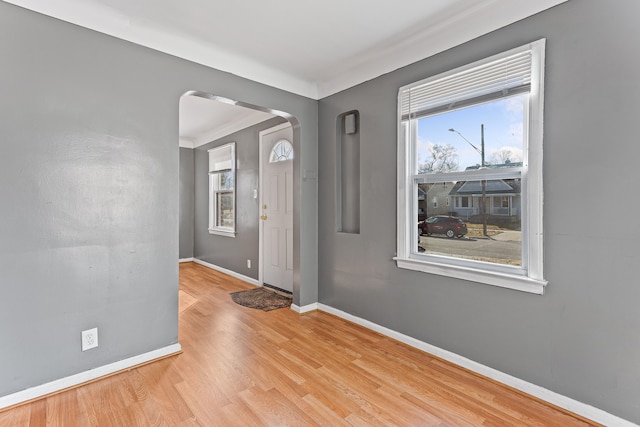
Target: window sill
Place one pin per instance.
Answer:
(510, 281)
(220, 232)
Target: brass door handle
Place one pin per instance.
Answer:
(263, 217)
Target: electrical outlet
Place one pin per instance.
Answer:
(89, 339)
(248, 263)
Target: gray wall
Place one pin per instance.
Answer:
(227, 252)
(187, 203)
(580, 339)
(89, 180)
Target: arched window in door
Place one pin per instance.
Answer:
(281, 151)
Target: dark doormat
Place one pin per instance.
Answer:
(260, 298)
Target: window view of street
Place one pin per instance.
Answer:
(451, 222)
(477, 219)
(500, 246)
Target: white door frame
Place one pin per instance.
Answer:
(261, 193)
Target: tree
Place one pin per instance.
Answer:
(505, 155)
(443, 158)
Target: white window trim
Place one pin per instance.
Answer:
(531, 280)
(213, 229)
(222, 232)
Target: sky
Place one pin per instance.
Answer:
(503, 130)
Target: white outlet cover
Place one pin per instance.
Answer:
(89, 339)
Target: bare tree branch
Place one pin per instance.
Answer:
(505, 155)
(443, 158)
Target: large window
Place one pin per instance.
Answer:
(222, 179)
(474, 135)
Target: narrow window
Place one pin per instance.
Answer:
(222, 177)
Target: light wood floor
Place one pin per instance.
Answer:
(241, 366)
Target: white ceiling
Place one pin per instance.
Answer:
(312, 48)
(203, 120)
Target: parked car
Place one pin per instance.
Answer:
(450, 226)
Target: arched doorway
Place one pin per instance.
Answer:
(208, 121)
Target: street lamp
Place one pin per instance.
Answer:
(481, 151)
(483, 212)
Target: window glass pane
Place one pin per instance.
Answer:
(484, 226)
(282, 151)
(453, 141)
(225, 180)
(222, 166)
(224, 203)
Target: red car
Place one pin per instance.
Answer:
(450, 226)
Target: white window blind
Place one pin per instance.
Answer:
(490, 80)
(221, 158)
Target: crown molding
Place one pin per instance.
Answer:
(482, 18)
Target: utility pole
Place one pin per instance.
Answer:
(482, 143)
(483, 210)
(483, 207)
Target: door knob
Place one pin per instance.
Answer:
(263, 217)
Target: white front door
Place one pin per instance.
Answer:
(277, 206)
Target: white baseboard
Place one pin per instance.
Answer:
(181, 260)
(83, 377)
(229, 272)
(304, 309)
(552, 397)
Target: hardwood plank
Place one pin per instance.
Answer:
(239, 414)
(205, 401)
(19, 417)
(273, 408)
(38, 417)
(63, 410)
(110, 401)
(185, 300)
(248, 367)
